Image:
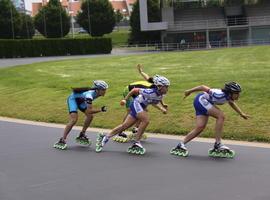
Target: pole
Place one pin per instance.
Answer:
(88, 13)
(12, 25)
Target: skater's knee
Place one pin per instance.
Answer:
(145, 122)
(221, 117)
(73, 121)
(200, 128)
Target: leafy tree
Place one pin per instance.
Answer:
(27, 28)
(118, 16)
(138, 36)
(97, 17)
(52, 21)
(9, 20)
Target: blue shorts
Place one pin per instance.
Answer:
(74, 105)
(135, 108)
(201, 105)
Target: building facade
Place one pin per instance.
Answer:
(19, 4)
(211, 26)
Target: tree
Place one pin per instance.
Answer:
(138, 36)
(27, 29)
(118, 16)
(97, 17)
(52, 21)
(9, 20)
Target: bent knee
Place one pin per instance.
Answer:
(200, 128)
(221, 117)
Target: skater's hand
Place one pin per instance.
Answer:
(245, 116)
(103, 109)
(164, 111)
(139, 67)
(123, 102)
(186, 93)
(165, 106)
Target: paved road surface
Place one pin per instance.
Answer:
(30, 169)
(9, 62)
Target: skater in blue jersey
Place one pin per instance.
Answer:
(147, 83)
(81, 99)
(138, 112)
(205, 105)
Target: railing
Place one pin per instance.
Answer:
(218, 23)
(189, 45)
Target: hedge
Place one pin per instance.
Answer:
(54, 47)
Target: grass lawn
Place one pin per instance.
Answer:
(39, 91)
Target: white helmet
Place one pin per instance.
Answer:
(100, 85)
(161, 81)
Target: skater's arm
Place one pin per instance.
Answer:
(91, 110)
(143, 74)
(164, 104)
(160, 107)
(196, 89)
(238, 110)
(134, 91)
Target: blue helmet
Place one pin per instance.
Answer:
(100, 85)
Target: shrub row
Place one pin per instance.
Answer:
(54, 47)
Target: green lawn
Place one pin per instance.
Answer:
(39, 91)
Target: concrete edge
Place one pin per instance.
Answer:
(151, 135)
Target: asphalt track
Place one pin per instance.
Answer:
(31, 169)
(10, 62)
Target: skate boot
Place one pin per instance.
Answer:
(221, 151)
(121, 137)
(180, 150)
(101, 141)
(83, 140)
(61, 144)
(136, 148)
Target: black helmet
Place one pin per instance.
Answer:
(232, 87)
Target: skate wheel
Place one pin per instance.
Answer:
(172, 152)
(98, 149)
(185, 154)
(143, 151)
(60, 147)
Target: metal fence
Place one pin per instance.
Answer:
(190, 45)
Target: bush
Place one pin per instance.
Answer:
(54, 47)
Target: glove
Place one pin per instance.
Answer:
(103, 109)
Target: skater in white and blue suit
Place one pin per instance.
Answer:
(81, 99)
(205, 106)
(138, 111)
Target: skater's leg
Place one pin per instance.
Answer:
(129, 121)
(143, 123)
(87, 121)
(201, 122)
(73, 118)
(220, 118)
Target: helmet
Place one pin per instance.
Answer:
(232, 87)
(161, 81)
(100, 85)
